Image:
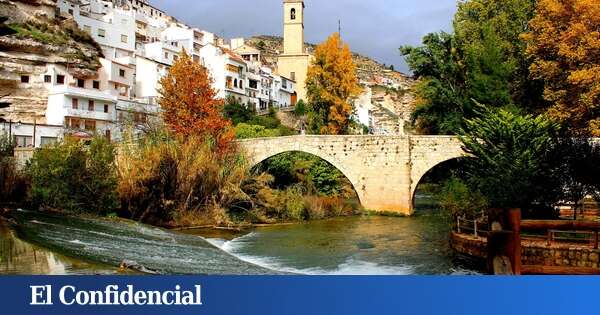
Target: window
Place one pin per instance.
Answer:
(73, 123)
(293, 14)
(235, 84)
(60, 79)
(96, 85)
(293, 76)
(90, 125)
(106, 108)
(122, 73)
(48, 79)
(91, 105)
(24, 79)
(107, 134)
(80, 83)
(124, 39)
(74, 104)
(175, 57)
(101, 32)
(48, 141)
(87, 29)
(166, 55)
(23, 141)
(71, 11)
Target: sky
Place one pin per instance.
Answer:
(375, 28)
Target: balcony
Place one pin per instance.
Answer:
(88, 114)
(72, 91)
(136, 106)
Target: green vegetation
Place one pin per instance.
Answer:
(300, 186)
(250, 125)
(513, 158)
(59, 35)
(74, 177)
(300, 108)
(178, 181)
(483, 61)
(13, 185)
(458, 199)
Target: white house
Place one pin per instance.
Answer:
(147, 79)
(228, 71)
(79, 104)
(112, 28)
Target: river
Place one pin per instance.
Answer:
(362, 245)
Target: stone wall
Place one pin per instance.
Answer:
(534, 253)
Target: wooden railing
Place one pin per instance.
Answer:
(552, 231)
(556, 231)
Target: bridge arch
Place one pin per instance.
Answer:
(260, 150)
(255, 162)
(419, 180)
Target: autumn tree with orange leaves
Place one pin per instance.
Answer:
(331, 83)
(564, 42)
(190, 105)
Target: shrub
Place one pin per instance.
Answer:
(458, 199)
(245, 131)
(163, 179)
(237, 112)
(292, 203)
(300, 109)
(13, 184)
(74, 177)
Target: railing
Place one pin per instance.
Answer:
(477, 227)
(551, 231)
(557, 231)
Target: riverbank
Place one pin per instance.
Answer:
(547, 259)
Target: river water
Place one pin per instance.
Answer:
(363, 245)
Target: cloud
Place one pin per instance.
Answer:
(375, 28)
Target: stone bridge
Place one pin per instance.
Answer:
(384, 170)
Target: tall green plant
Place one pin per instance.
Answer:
(512, 164)
(74, 177)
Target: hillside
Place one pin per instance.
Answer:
(388, 94)
(30, 38)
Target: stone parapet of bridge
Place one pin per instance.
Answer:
(384, 170)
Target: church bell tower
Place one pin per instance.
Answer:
(294, 61)
(293, 29)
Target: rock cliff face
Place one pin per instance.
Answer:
(30, 39)
(387, 95)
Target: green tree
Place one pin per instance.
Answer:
(512, 158)
(483, 61)
(441, 95)
(75, 177)
(499, 24)
(578, 169)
